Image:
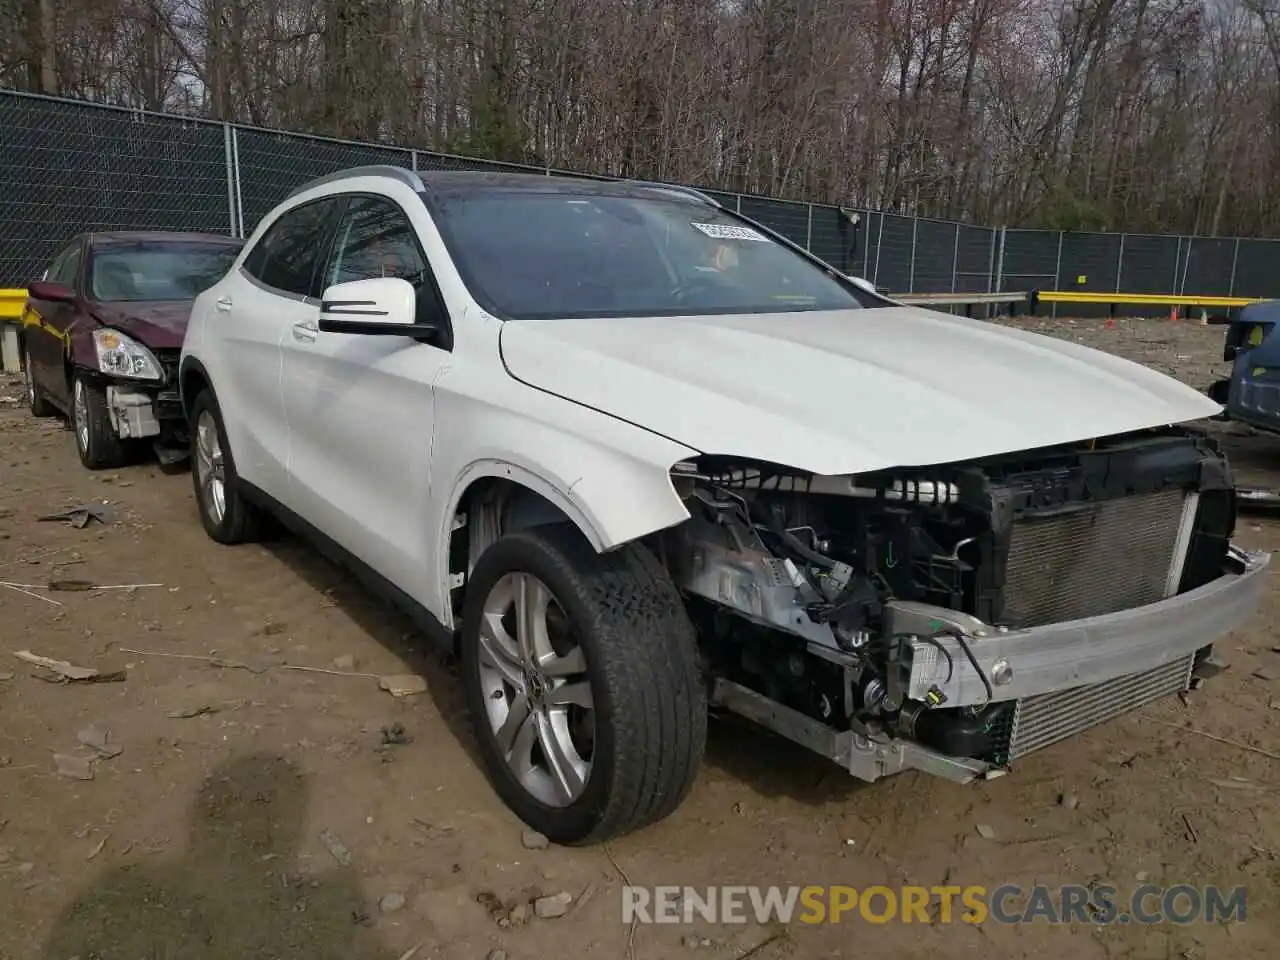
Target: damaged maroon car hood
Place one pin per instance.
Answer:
(159, 325)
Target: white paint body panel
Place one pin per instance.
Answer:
(240, 348)
(375, 440)
(849, 391)
(361, 415)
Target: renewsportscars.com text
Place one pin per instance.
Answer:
(1005, 904)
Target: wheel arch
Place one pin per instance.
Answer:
(192, 379)
(499, 497)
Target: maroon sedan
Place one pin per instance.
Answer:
(102, 333)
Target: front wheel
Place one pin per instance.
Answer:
(581, 675)
(97, 442)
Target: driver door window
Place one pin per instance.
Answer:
(375, 239)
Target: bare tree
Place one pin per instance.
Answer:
(1109, 114)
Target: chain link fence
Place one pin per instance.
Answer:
(68, 167)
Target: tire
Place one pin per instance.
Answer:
(99, 446)
(638, 660)
(227, 516)
(36, 402)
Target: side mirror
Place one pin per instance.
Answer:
(866, 285)
(50, 291)
(383, 306)
(871, 288)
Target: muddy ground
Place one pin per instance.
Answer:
(215, 831)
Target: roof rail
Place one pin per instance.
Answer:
(675, 188)
(401, 174)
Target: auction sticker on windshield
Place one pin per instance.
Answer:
(727, 231)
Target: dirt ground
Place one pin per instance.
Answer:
(213, 831)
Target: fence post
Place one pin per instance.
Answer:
(413, 160)
(737, 202)
(1186, 265)
(1057, 271)
(875, 277)
(235, 157)
(1235, 256)
(911, 275)
(1000, 261)
(808, 230)
(1120, 263)
(991, 262)
(228, 154)
(863, 233)
(955, 258)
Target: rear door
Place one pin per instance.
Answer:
(46, 323)
(254, 310)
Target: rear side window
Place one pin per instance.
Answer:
(285, 258)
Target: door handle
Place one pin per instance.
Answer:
(223, 304)
(305, 332)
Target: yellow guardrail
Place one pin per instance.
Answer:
(1149, 299)
(11, 303)
(13, 300)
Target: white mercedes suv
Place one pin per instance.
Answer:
(631, 455)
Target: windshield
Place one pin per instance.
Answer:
(543, 255)
(158, 270)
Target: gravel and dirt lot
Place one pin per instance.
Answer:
(254, 810)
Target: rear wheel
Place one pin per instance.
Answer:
(99, 446)
(227, 516)
(581, 676)
(36, 402)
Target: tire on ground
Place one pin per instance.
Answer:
(97, 442)
(642, 663)
(241, 521)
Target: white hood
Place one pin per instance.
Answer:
(848, 391)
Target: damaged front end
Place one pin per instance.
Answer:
(954, 619)
(141, 388)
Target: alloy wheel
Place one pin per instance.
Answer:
(538, 699)
(210, 470)
(81, 414)
(28, 378)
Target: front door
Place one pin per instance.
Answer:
(360, 408)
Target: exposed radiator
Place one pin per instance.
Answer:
(1104, 557)
(1045, 719)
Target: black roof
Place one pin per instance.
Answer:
(446, 183)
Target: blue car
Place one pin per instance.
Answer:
(1251, 394)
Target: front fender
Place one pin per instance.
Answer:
(610, 478)
(609, 506)
(81, 351)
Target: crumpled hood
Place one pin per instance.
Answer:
(159, 325)
(847, 391)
